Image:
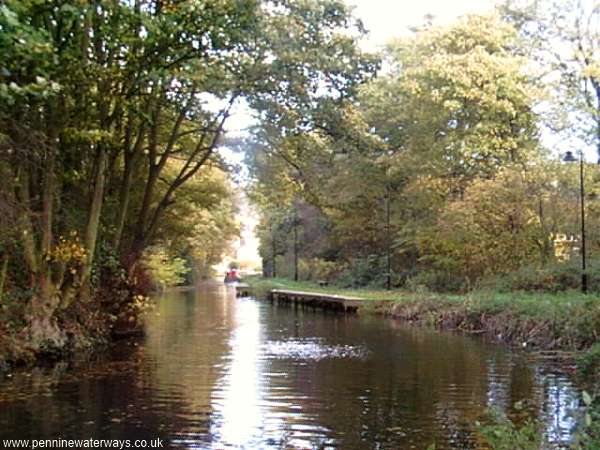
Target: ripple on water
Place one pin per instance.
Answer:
(310, 349)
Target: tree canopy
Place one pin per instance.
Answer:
(437, 165)
(111, 118)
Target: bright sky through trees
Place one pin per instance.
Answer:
(389, 19)
(386, 19)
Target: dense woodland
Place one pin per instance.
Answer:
(446, 170)
(111, 117)
(429, 162)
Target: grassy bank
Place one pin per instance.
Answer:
(563, 321)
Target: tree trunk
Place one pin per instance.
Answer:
(48, 195)
(123, 201)
(131, 158)
(3, 273)
(47, 203)
(154, 169)
(91, 230)
(25, 225)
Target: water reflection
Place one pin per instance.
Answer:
(310, 349)
(238, 415)
(557, 407)
(217, 372)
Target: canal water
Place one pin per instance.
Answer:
(216, 372)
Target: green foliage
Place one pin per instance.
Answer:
(589, 362)
(165, 270)
(437, 281)
(465, 101)
(317, 269)
(554, 277)
(27, 56)
(201, 224)
(111, 118)
(502, 434)
(361, 272)
(587, 435)
(436, 164)
(571, 75)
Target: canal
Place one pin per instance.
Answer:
(216, 372)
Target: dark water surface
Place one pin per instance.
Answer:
(216, 372)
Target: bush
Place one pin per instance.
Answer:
(552, 278)
(435, 281)
(555, 277)
(164, 270)
(317, 269)
(589, 362)
(362, 272)
(502, 434)
(587, 435)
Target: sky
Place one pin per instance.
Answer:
(387, 19)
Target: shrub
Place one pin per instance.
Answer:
(436, 281)
(589, 362)
(555, 277)
(365, 271)
(587, 435)
(500, 433)
(317, 269)
(165, 270)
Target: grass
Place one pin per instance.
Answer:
(558, 321)
(528, 304)
(265, 284)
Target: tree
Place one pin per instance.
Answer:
(455, 108)
(564, 39)
(109, 109)
(201, 225)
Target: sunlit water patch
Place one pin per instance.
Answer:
(314, 349)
